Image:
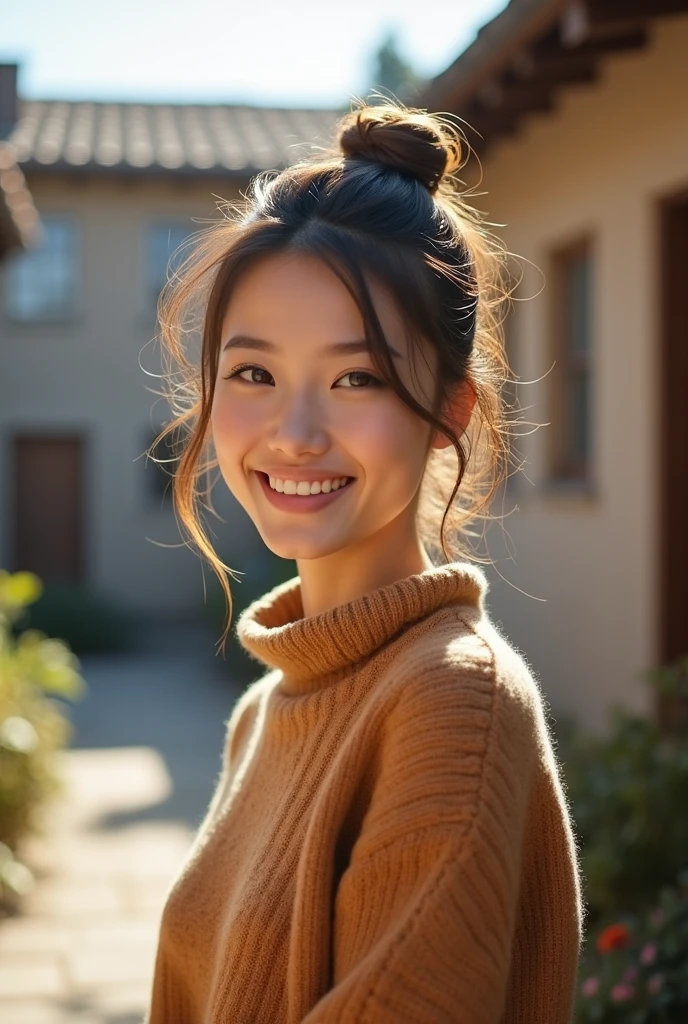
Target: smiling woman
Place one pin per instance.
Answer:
(312, 266)
(306, 412)
(389, 838)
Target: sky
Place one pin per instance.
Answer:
(283, 52)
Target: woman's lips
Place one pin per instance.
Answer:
(300, 502)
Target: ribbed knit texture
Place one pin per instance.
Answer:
(389, 840)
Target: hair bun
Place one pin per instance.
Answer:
(407, 140)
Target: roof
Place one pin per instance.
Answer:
(188, 139)
(517, 64)
(531, 50)
(19, 223)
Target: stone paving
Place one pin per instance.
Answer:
(139, 774)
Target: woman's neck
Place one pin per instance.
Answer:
(341, 577)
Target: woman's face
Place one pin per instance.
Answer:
(300, 410)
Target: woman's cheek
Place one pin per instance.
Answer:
(228, 419)
(385, 435)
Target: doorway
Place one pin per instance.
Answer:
(672, 622)
(48, 506)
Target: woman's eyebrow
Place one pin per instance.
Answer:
(338, 348)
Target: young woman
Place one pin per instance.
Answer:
(389, 839)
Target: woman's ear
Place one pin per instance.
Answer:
(457, 411)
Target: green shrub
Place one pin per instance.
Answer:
(83, 618)
(32, 727)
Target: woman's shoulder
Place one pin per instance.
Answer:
(245, 712)
(461, 688)
(460, 727)
(460, 649)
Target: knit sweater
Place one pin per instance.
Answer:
(389, 839)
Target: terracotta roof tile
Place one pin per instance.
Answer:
(174, 138)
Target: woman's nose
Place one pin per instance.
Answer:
(299, 426)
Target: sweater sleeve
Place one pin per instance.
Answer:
(238, 730)
(425, 913)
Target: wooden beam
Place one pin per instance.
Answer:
(563, 45)
(536, 73)
(492, 124)
(552, 52)
(574, 23)
(552, 71)
(590, 20)
(515, 106)
(602, 12)
(493, 47)
(522, 96)
(514, 95)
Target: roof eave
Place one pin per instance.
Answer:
(19, 221)
(496, 43)
(94, 169)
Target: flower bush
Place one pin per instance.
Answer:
(635, 968)
(627, 796)
(627, 793)
(32, 726)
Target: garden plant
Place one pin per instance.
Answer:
(35, 673)
(628, 796)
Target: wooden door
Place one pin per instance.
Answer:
(48, 514)
(672, 629)
(673, 611)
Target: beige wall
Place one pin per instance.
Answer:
(85, 376)
(599, 164)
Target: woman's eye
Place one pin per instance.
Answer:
(374, 382)
(361, 379)
(247, 368)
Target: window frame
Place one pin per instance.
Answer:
(73, 309)
(150, 296)
(570, 362)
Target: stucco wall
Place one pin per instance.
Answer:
(600, 163)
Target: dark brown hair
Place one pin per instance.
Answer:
(385, 201)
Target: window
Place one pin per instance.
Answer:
(41, 283)
(162, 252)
(571, 412)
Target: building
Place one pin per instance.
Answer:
(582, 106)
(19, 222)
(583, 112)
(118, 187)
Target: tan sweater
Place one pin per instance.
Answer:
(389, 840)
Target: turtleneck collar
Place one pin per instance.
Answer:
(309, 650)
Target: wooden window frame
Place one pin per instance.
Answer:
(155, 275)
(37, 260)
(566, 467)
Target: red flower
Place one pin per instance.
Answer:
(616, 936)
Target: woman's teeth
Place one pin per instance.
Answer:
(303, 487)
